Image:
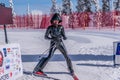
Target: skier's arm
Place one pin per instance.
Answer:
(47, 34)
(63, 33)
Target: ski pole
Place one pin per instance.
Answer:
(47, 50)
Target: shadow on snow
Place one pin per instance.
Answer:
(78, 57)
(95, 65)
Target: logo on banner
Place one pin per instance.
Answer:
(118, 49)
(11, 74)
(5, 52)
(1, 70)
(1, 59)
(4, 77)
(7, 67)
(9, 51)
(7, 60)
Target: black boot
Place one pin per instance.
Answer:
(40, 65)
(71, 70)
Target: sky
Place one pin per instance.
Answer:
(20, 6)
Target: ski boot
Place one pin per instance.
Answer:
(39, 73)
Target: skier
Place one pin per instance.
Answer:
(56, 34)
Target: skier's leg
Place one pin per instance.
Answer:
(51, 52)
(42, 63)
(62, 48)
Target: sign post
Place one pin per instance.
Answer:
(6, 39)
(5, 18)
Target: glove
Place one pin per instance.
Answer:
(64, 38)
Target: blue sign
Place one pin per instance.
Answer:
(5, 52)
(118, 49)
(7, 67)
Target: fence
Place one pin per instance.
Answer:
(75, 20)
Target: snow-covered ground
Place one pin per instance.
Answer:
(91, 52)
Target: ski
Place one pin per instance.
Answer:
(45, 76)
(42, 76)
(27, 72)
(71, 74)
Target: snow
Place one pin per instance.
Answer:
(36, 12)
(91, 52)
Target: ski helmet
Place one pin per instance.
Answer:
(56, 16)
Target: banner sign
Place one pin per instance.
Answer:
(10, 62)
(118, 49)
(116, 52)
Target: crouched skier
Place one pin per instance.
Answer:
(56, 34)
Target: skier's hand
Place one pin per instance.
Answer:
(65, 38)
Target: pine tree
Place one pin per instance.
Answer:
(117, 5)
(97, 5)
(66, 7)
(83, 5)
(12, 6)
(106, 5)
(54, 7)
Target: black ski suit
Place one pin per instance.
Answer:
(56, 34)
